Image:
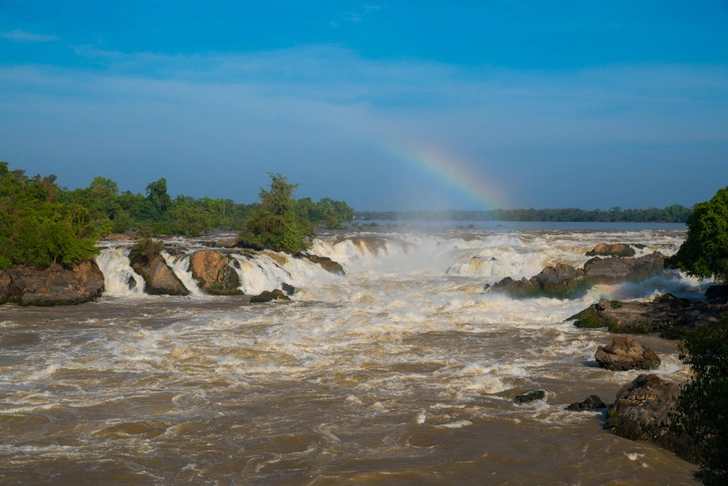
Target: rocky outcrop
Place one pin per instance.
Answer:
(267, 296)
(159, 278)
(55, 285)
(616, 270)
(564, 281)
(589, 404)
(326, 263)
(558, 281)
(616, 249)
(214, 273)
(717, 293)
(668, 315)
(626, 354)
(530, 396)
(642, 412)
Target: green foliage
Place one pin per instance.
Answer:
(146, 249)
(704, 253)
(670, 214)
(702, 411)
(36, 228)
(274, 224)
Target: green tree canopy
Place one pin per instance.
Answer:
(704, 253)
(38, 229)
(702, 410)
(274, 224)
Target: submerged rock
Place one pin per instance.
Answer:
(267, 296)
(214, 273)
(666, 314)
(615, 270)
(617, 249)
(626, 354)
(530, 396)
(642, 412)
(589, 404)
(159, 278)
(55, 285)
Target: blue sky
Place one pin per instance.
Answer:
(542, 104)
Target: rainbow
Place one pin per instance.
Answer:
(455, 173)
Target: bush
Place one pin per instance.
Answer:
(146, 249)
(274, 224)
(702, 410)
(704, 253)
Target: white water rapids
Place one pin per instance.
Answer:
(400, 372)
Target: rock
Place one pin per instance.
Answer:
(615, 270)
(326, 263)
(668, 315)
(226, 243)
(626, 354)
(267, 296)
(617, 249)
(530, 396)
(288, 289)
(717, 293)
(214, 273)
(159, 278)
(558, 281)
(55, 285)
(590, 403)
(118, 237)
(642, 412)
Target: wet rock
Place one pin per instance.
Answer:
(326, 263)
(717, 293)
(626, 354)
(617, 249)
(214, 273)
(267, 296)
(642, 412)
(615, 270)
(530, 396)
(118, 237)
(558, 281)
(55, 285)
(159, 278)
(589, 404)
(288, 289)
(668, 315)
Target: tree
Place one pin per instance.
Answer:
(704, 253)
(157, 195)
(274, 224)
(702, 410)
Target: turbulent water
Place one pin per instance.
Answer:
(401, 372)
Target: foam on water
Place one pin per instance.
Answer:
(116, 267)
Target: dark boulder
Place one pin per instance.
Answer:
(530, 396)
(616, 270)
(267, 296)
(326, 263)
(558, 281)
(288, 289)
(55, 285)
(626, 354)
(589, 404)
(158, 277)
(617, 249)
(717, 293)
(667, 314)
(214, 273)
(642, 411)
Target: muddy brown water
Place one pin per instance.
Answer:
(375, 379)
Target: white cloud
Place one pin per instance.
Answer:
(24, 37)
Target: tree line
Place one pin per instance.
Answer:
(42, 223)
(671, 214)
